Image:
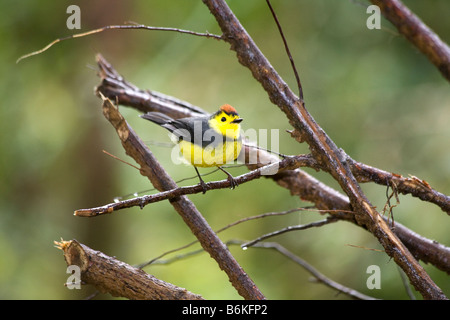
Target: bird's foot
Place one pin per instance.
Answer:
(205, 187)
(233, 182)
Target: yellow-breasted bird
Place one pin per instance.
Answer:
(205, 141)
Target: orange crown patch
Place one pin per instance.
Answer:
(228, 109)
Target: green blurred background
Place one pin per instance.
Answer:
(374, 94)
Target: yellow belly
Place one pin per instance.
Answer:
(210, 156)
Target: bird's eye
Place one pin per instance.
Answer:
(223, 119)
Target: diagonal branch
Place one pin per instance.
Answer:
(333, 159)
(152, 169)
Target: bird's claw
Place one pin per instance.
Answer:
(233, 182)
(205, 187)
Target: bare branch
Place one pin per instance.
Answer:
(416, 187)
(406, 285)
(117, 278)
(153, 170)
(117, 27)
(288, 163)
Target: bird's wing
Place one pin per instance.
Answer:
(187, 129)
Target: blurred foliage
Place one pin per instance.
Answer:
(375, 95)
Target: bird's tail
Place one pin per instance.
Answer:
(156, 117)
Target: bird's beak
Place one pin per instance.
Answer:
(237, 120)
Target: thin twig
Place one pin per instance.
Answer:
(264, 149)
(314, 224)
(406, 284)
(117, 158)
(117, 27)
(260, 216)
(388, 207)
(288, 52)
(158, 260)
(365, 248)
(317, 275)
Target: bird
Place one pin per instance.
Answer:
(205, 141)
